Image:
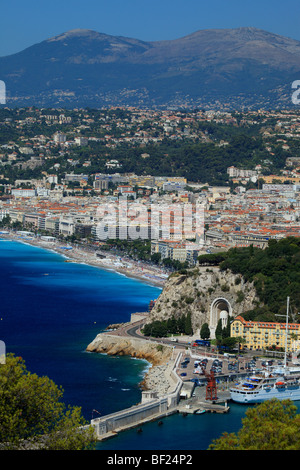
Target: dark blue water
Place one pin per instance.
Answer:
(51, 310)
(193, 432)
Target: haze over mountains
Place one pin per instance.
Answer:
(220, 69)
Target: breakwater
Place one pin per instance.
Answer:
(158, 401)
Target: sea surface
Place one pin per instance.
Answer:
(50, 310)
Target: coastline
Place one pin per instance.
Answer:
(123, 266)
(153, 377)
(157, 374)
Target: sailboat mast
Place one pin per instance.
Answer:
(286, 331)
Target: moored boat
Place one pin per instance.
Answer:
(261, 387)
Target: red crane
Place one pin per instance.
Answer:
(211, 386)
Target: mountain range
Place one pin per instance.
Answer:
(243, 68)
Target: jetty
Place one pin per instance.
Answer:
(154, 407)
(165, 392)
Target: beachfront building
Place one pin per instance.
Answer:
(66, 226)
(83, 230)
(16, 215)
(176, 250)
(31, 220)
(265, 335)
(52, 225)
(169, 249)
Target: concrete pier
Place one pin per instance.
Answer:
(152, 407)
(167, 392)
(162, 401)
(112, 424)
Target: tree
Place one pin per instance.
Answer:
(213, 259)
(219, 330)
(155, 257)
(205, 331)
(271, 425)
(238, 340)
(157, 329)
(172, 325)
(32, 414)
(6, 220)
(230, 343)
(188, 328)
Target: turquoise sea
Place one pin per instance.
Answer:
(51, 310)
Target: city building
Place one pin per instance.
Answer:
(82, 141)
(66, 226)
(59, 138)
(72, 177)
(100, 184)
(23, 192)
(176, 250)
(234, 172)
(265, 335)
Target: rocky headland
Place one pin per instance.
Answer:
(158, 355)
(196, 290)
(154, 353)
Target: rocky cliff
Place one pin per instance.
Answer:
(114, 345)
(205, 293)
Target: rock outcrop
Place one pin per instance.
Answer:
(204, 293)
(156, 354)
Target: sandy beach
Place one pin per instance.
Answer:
(80, 254)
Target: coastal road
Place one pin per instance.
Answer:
(231, 368)
(133, 331)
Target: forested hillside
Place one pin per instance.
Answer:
(200, 151)
(275, 272)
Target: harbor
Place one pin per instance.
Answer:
(170, 393)
(185, 379)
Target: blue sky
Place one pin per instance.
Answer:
(23, 23)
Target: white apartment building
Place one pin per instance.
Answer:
(66, 226)
(59, 138)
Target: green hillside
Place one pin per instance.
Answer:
(275, 272)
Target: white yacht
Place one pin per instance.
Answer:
(265, 386)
